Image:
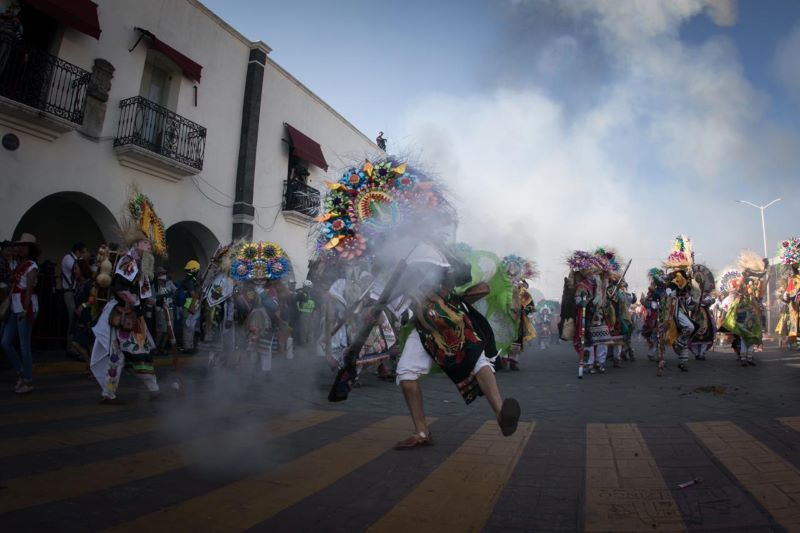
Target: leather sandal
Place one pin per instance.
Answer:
(415, 440)
(508, 417)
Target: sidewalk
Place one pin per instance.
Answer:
(48, 362)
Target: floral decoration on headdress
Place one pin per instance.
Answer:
(145, 223)
(369, 200)
(726, 279)
(518, 268)
(581, 261)
(790, 252)
(608, 259)
(682, 254)
(259, 260)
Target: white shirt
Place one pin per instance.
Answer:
(16, 298)
(67, 263)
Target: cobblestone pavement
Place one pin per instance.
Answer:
(606, 453)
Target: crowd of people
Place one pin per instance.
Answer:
(378, 299)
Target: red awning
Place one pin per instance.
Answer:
(190, 68)
(78, 14)
(307, 148)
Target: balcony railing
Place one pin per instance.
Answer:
(159, 130)
(300, 198)
(42, 81)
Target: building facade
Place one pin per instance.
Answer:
(164, 96)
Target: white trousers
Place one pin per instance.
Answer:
(415, 361)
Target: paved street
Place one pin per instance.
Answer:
(603, 454)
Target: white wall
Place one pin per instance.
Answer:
(75, 163)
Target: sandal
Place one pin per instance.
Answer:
(415, 440)
(508, 417)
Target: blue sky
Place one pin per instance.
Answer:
(562, 125)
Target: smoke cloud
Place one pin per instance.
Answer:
(656, 137)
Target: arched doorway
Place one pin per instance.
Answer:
(188, 240)
(58, 221)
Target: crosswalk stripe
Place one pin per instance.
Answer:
(771, 479)
(462, 492)
(791, 421)
(59, 413)
(624, 488)
(117, 430)
(245, 503)
(51, 397)
(74, 481)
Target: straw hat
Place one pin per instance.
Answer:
(30, 240)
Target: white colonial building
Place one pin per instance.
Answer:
(96, 98)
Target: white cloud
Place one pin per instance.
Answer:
(786, 62)
(675, 126)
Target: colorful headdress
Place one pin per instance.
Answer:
(518, 268)
(607, 257)
(581, 261)
(142, 222)
(725, 279)
(751, 263)
(259, 261)
(370, 201)
(655, 273)
(682, 255)
(790, 252)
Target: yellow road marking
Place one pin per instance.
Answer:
(71, 482)
(62, 413)
(624, 488)
(462, 492)
(772, 480)
(247, 502)
(76, 367)
(117, 430)
(791, 421)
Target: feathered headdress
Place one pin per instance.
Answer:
(751, 263)
(371, 200)
(608, 258)
(655, 273)
(259, 261)
(682, 254)
(518, 268)
(726, 277)
(580, 261)
(141, 222)
(790, 252)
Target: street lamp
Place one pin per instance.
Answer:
(766, 254)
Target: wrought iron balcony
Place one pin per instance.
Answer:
(157, 129)
(42, 81)
(301, 198)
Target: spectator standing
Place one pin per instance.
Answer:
(6, 268)
(24, 307)
(381, 141)
(189, 302)
(305, 304)
(165, 292)
(82, 336)
(78, 251)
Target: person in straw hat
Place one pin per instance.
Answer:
(24, 308)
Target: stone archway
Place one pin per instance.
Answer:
(188, 240)
(58, 221)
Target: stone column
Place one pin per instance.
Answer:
(97, 98)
